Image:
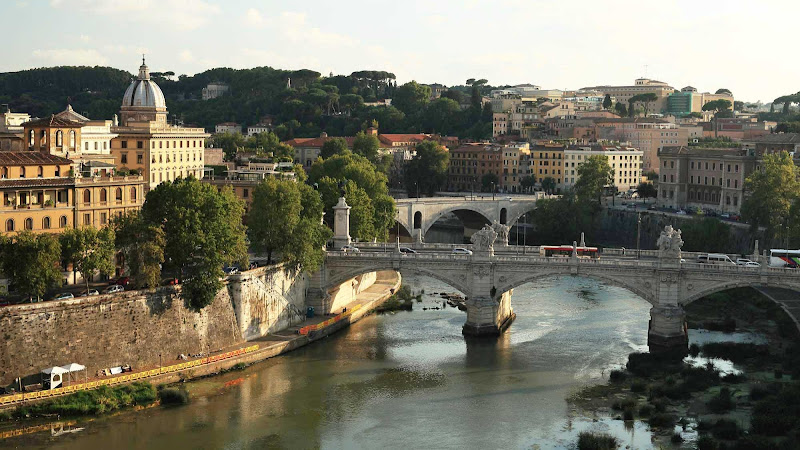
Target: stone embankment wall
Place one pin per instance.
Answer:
(346, 292)
(146, 328)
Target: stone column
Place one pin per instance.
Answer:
(341, 224)
(487, 316)
(317, 293)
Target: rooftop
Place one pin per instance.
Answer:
(53, 121)
(702, 151)
(779, 138)
(30, 159)
(36, 182)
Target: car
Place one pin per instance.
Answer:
(407, 250)
(462, 251)
(122, 281)
(746, 262)
(350, 249)
(170, 282)
(725, 216)
(89, 293)
(64, 296)
(652, 208)
(230, 270)
(113, 289)
(680, 212)
(752, 264)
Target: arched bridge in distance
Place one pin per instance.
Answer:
(488, 277)
(417, 215)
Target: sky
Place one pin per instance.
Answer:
(563, 44)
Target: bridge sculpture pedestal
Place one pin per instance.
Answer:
(667, 330)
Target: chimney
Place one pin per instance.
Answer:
(323, 135)
(372, 131)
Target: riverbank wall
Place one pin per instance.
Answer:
(384, 286)
(150, 328)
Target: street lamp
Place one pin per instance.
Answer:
(417, 186)
(638, 233)
(493, 190)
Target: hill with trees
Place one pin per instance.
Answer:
(300, 103)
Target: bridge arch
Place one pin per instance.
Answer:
(428, 222)
(693, 294)
(633, 285)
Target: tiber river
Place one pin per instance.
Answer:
(407, 380)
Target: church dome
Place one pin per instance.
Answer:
(144, 92)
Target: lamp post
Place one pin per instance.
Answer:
(417, 186)
(493, 188)
(638, 233)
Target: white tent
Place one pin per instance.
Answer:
(53, 378)
(72, 368)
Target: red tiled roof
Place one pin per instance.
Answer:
(30, 158)
(390, 138)
(52, 121)
(36, 182)
(317, 142)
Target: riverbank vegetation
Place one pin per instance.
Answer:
(93, 402)
(726, 395)
(402, 300)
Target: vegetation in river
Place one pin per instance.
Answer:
(596, 441)
(98, 401)
(173, 395)
(402, 300)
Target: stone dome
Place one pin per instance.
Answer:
(144, 92)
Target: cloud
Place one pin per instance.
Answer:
(72, 57)
(294, 27)
(253, 17)
(186, 56)
(182, 14)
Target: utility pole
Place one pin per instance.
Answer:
(638, 233)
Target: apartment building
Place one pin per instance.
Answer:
(470, 162)
(547, 161)
(706, 178)
(646, 134)
(513, 156)
(625, 161)
(688, 100)
(640, 86)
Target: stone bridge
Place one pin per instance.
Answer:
(417, 215)
(487, 279)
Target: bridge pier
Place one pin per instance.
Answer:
(667, 330)
(487, 316)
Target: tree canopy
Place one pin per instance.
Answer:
(427, 170)
(32, 262)
(771, 192)
(593, 175)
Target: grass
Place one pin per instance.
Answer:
(98, 401)
(734, 351)
(722, 402)
(588, 440)
(173, 396)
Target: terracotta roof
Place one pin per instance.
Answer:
(390, 138)
(30, 158)
(629, 120)
(779, 138)
(317, 141)
(52, 121)
(36, 182)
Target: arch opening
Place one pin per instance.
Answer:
(455, 226)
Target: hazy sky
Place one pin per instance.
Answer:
(741, 45)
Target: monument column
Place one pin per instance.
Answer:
(341, 224)
(667, 328)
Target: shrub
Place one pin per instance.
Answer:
(617, 376)
(626, 403)
(102, 400)
(638, 386)
(706, 443)
(694, 350)
(699, 378)
(676, 438)
(649, 364)
(596, 441)
(722, 402)
(645, 411)
(627, 414)
(733, 351)
(734, 378)
(239, 366)
(725, 429)
(173, 396)
(659, 406)
(661, 420)
(758, 392)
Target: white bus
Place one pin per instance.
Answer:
(784, 258)
(715, 258)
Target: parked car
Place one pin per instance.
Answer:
(652, 208)
(407, 250)
(462, 251)
(89, 293)
(113, 289)
(230, 270)
(350, 249)
(680, 212)
(169, 282)
(715, 258)
(746, 262)
(64, 296)
(725, 216)
(122, 281)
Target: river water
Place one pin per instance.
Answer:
(407, 379)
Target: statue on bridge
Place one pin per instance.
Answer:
(502, 232)
(483, 239)
(670, 243)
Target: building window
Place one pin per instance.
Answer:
(139, 158)
(124, 144)
(4, 173)
(10, 225)
(736, 168)
(123, 158)
(29, 224)
(87, 196)
(133, 194)
(139, 144)
(103, 195)
(71, 141)
(59, 138)
(22, 172)
(58, 171)
(103, 218)
(31, 139)
(62, 222)
(87, 219)
(119, 195)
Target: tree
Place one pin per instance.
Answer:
(621, 109)
(549, 185)
(527, 182)
(31, 262)
(593, 175)
(142, 245)
(203, 232)
(333, 146)
(270, 143)
(89, 250)
(646, 190)
(442, 116)
(366, 145)
(229, 142)
(770, 192)
(717, 105)
(489, 182)
(427, 170)
(411, 97)
(607, 101)
(273, 216)
(706, 235)
(645, 98)
(650, 175)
